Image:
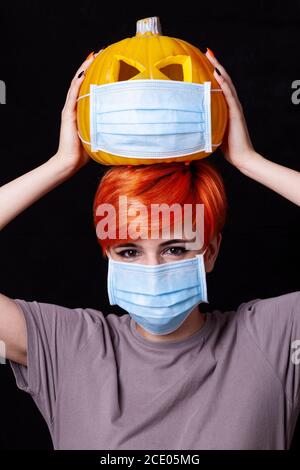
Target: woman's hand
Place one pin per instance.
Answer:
(71, 153)
(238, 149)
(237, 146)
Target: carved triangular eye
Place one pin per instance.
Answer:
(173, 71)
(124, 68)
(178, 67)
(127, 71)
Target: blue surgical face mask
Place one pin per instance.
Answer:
(158, 297)
(150, 118)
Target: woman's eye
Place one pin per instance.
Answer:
(130, 253)
(176, 250)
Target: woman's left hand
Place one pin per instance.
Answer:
(237, 146)
(238, 149)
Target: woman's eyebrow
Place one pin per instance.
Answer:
(167, 242)
(126, 245)
(175, 240)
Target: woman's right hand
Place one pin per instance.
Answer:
(69, 157)
(71, 153)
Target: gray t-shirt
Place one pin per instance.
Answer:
(233, 384)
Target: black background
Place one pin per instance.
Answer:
(49, 253)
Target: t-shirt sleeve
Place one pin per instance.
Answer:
(54, 335)
(274, 324)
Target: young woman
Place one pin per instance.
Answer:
(164, 375)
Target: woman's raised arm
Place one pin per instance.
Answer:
(238, 149)
(22, 192)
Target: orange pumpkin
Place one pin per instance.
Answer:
(150, 55)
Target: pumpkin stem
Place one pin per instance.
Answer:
(149, 25)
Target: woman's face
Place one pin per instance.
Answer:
(159, 251)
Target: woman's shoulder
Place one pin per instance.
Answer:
(84, 320)
(261, 313)
(283, 305)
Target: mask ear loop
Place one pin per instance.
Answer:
(201, 266)
(216, 90)
(80, 137)
(203, 253)
(207, 110)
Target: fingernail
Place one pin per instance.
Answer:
(90, 55)
(81, 73)
(96, 53)
(210, 52)
(218, 71)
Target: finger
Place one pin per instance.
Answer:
(84, 66)
(71, 100)
(216, 64)
(72, 95)
(100, 50)
(74, 89)
(78, 78)
(234, 105)
(222, 69)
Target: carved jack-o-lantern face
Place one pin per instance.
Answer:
(177, 67)
(150, 55)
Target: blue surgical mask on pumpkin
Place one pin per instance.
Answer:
(158, 297)
(150, 118)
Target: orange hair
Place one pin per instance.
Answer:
(178, 182)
